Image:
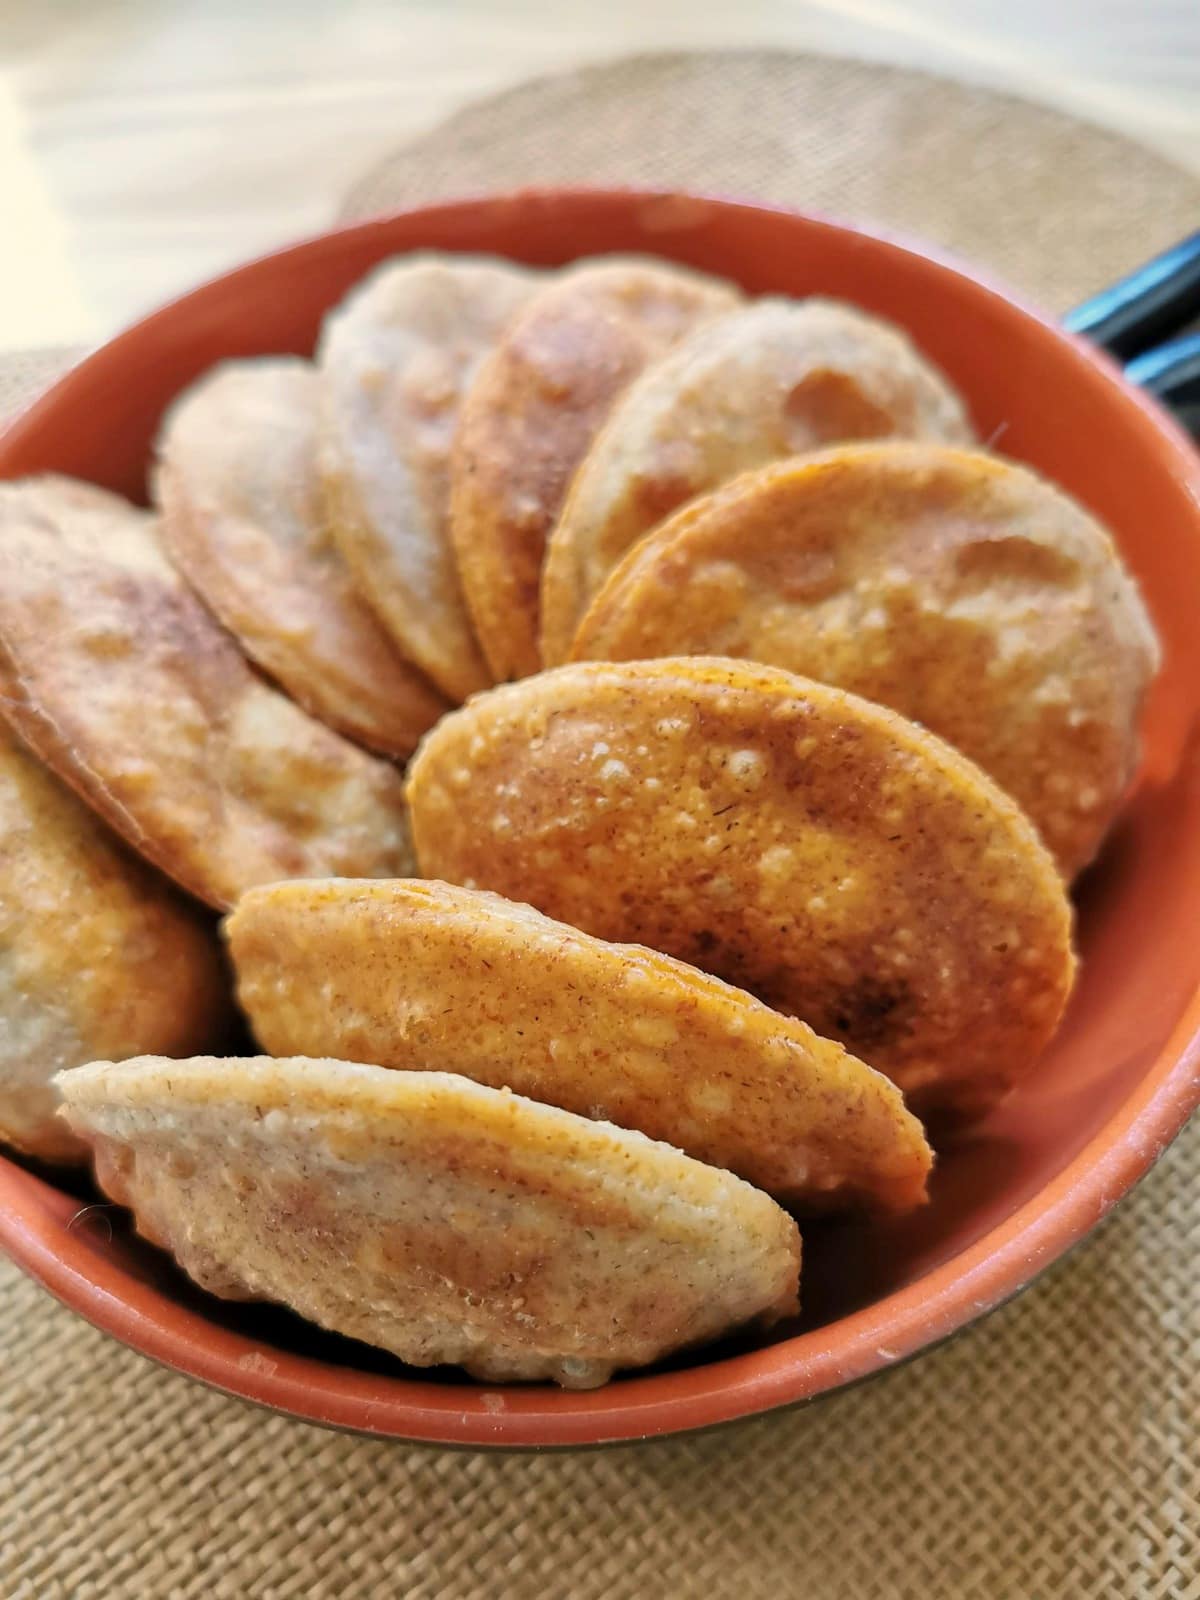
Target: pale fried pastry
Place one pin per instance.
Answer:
(436, 1218)
(426, 975)
(396, 357)
(958, 589)
(822, 852)
(532, 412)
(773, 379)
(117, 677)
(98, 955)
(244, 521)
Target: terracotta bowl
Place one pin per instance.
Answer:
(1009, 1196)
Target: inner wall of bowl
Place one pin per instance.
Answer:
(1033, 396)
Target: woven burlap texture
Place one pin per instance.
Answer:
(24, 373)
(1049, 1454)
(1052, 206)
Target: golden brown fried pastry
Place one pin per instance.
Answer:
(119, 679)
(443, 1221)
(532, 413)
(243, 520)
(826, 854)
(425, 975)
(958, 589)
(396, 357)
(97, 955)
(773, 379)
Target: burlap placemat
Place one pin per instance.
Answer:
(1053, 206)
(25, 373)
(1049, 1453)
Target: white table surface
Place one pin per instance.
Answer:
(147, 143)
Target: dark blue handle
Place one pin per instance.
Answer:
(1172, 374)
(1129, 319)
(1155, 300)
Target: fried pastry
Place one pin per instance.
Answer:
(426, 975)
(244, 521)
(829, 856)
(117, 677)
(436, 1218)
(396, 358)
(774, 379)
(98, 955)
(532, 412)
(960, 590)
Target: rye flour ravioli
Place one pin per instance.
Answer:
(396, 357)
(426, 975)
(243, 520)
(532, 412)
(436, 1218)
(822, 852)
(773, 379)
(117, 677)
(98, 955)
(960, 590)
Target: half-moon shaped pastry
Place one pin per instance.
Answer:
(436, 1218)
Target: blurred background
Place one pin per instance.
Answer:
(147, 143)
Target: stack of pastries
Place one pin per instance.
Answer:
(640, 747)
